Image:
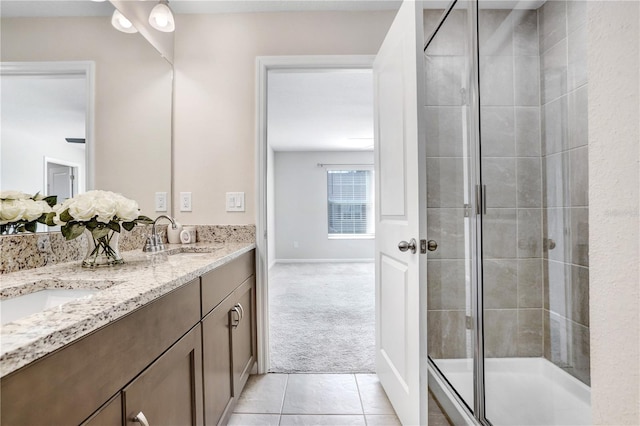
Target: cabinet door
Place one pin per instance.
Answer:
(243, 336)
(110, 414)
(169, 391)
(216, 362)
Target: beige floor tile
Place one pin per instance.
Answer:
(239, 419)
(383, 420)
(263, 394)
(321, 420)
(322, 394)
(374, 399)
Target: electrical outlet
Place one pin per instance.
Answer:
(185, 201)
(235, 201)
(161, 201)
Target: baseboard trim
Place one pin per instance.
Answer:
(324, 261)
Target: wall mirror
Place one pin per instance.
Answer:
(68, 75)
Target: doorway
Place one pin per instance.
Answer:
(61, 178)
(301, 164)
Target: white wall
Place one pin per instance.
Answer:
(614, 210)
(133, 97)
(301, 207)
(38, 113)
(215, 63)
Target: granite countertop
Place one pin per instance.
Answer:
(122, 289)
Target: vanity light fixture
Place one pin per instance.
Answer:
(121, 23)
(161, 17)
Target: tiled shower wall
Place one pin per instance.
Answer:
(565, 153)
(533, 130)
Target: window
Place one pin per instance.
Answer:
(350, 203)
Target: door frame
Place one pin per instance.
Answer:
(79, 184)
(263, 65)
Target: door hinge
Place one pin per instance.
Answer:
(467, 210)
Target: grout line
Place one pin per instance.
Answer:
(284, 395)
(360, 398)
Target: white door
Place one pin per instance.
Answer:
(400, 191)
(60, 181)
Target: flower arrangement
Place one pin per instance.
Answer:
(102, 214)
(21, 212)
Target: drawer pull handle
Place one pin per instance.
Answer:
(140, 418)
(241, 311)
(235, 322)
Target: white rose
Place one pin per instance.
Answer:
(33, 210)
(58, 209)
(105, 207)
(14, 195)
(127, 210)
(12, 210)
(82, 207)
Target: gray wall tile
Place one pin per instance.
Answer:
(446, 287)
(497, 131)
(525, 32)
(553, 66)
(552, 23)
(446, 226)
(496, 80)
(451, 38)
(578, 117)
(579, 177)
(500, 284)
(529, 233)
(558, 228)
(499, 234)
(530, 279)
(444, 77)
(555, 130)
(529, 188)
(499, 175)
(579, 294)
(447, 334)
(443, 131)
(556, 180)
(576, 14)
(495, 32)
(527, 131)
(577, 58)
(500, 333)
(530, 333)
(445, 185)
(527, 80)
(580, 236)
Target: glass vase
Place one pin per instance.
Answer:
(103, 251)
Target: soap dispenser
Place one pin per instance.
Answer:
(173, 234)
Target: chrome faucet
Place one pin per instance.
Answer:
(154, 242)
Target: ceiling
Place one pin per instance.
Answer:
(52, 8)
(329, 110)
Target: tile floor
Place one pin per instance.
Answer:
(313, 399)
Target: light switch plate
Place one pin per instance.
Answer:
(161, 201)
(185, 201)
(235, 201)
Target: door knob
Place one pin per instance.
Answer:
(432, 245)
(411, 245)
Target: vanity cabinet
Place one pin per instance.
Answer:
(228, 335)
(182, 359)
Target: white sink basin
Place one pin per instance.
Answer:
(22, 306)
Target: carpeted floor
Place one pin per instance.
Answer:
(322, 317)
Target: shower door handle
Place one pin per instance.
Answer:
(411, 245)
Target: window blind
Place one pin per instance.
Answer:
(350, 202)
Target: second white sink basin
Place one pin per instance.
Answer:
(22, 306)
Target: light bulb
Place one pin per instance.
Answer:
(161, 18)
(121, 23)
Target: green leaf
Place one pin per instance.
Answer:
(51, 200)
(100, 232)
(72, 230)
(49, 219)
(114, 226)
(31, 226)
(65, 216)
(128, 225)
(144, 220)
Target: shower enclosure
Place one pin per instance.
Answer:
(507, 204)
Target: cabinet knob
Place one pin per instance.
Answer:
(140, 418)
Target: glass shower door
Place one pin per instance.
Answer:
(449, 189)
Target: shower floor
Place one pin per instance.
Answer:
(523, 391)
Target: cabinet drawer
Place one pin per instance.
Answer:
(67, 386)
(219, 283)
